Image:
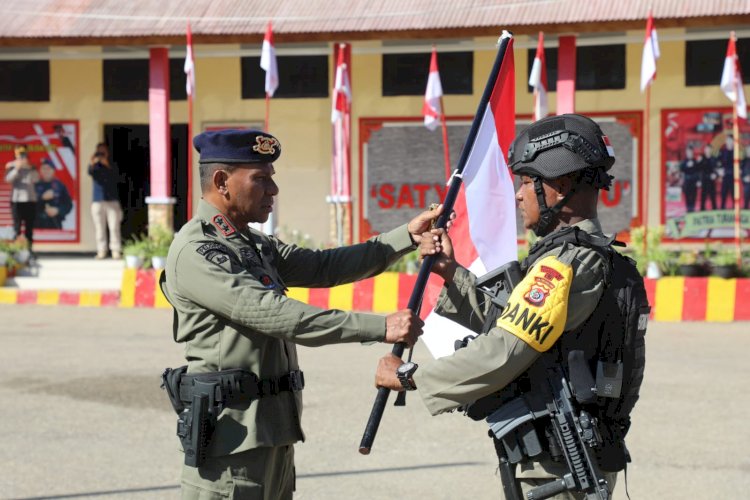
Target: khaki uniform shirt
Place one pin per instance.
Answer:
(492, 361)
(227, 287)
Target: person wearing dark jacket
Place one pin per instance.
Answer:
(53, 199)
(105, 208)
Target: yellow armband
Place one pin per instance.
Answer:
(538, 307)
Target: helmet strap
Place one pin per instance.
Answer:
(548, 214)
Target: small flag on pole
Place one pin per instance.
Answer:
(731, 79)
(650, 54)
(189, 67)
(538, 80)
(342, 93)
(431, 109)
(268, 62)
(340, 118)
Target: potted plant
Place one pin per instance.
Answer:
(6, 261)
(724, 263)
(135, 251)
(4, 253)
(689, 263)
(657, 261)
(159, 240)
(21, 252)
(14, 255)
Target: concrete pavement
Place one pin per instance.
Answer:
(82, 416)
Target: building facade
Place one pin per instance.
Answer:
(72, 83)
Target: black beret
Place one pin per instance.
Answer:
(237, 146)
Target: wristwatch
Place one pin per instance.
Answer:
(405, 373)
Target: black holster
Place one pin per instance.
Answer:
(198, 399)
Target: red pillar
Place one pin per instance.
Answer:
(566, 75)
(160, 200)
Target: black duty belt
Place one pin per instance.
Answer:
(237, 385)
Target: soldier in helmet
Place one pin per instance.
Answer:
(240, 396)
(562, 162)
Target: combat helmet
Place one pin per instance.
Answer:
(562, 145)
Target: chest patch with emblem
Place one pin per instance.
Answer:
(250, 257)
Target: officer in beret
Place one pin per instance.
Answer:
(227, 284)
(556, 307)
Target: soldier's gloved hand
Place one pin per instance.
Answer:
(385, 376)
(424, 221)
(437, 242)
(403, 327)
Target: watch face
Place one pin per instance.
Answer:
(405, 368)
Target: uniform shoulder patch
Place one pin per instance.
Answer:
(216, 253)
(538, 307)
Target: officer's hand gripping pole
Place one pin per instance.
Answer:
(505, 43)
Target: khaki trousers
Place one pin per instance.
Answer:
(258, 474)
(107, 213)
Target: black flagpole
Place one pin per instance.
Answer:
(424, 271)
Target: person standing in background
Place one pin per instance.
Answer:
(22, 176)
(745, 173)
(690, 177)
(707, 166)
(726, 161)
(105, 209)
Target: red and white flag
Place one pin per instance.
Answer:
(340, 118)
(538, 80)
(431, 108)
(268, 62)
(189, 66)
(731, 79)
(484, 232)
(650, 54)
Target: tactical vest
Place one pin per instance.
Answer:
(609, 347)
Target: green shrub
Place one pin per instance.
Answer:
(655, 251)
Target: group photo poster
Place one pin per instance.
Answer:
(698, 173)
(52, 149)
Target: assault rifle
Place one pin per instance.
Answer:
(574, 436)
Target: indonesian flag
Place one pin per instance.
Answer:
(189, 67)
(342, 93)
(431, 108)
(731, 79)
(268, 62)
(650, 54)
(484, 232)
(538, 80)
(340, 118)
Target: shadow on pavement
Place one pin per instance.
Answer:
(299, 476)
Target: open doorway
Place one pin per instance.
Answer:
(129, 147)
